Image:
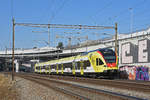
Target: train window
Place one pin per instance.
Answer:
(83, 64)
(53, 67)
(59, 67)
(86, 64)
(38, 67)
(78, 65)
(42, 67)
(71, 67)
(68, 65)
(56, 67)
(109, 55)
(99, 61)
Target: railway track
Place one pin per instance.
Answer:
(47, 83)
(79, 92)
(140, 86)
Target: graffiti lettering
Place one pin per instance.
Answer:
(126, 51)
(136, 54)
(143, 53)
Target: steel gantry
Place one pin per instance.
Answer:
(58, 26)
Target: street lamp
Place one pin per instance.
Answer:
(131, 20)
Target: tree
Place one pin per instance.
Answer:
(60, 45)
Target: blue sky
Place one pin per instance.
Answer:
(71, 12)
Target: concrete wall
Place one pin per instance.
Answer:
(135, 50)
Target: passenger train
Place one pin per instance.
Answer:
(97, 63)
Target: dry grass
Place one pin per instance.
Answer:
(7, 89)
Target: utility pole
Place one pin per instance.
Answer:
(49, 35)
(131, 21)
(116, 39)
(69, 41)
(5, 58)
(87, 43)
(13, 47)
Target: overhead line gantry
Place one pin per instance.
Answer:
(57, 26)
(65, 26)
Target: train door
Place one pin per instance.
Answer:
(49, 69)
(40, 70)
(81, 67)
(62, 69)
(56, 68)
(99, 65)
(46, 69)
(73, 69)
(97, 62)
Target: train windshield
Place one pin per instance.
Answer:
(109, 55)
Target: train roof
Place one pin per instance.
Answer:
(64, 60)
(100, 49)
(82, 56)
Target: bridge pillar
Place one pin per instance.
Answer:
(33, 62)
(17, 66)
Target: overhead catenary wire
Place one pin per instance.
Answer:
(49, 8)
(136, 19)
(136, 14)
(65, 26)
(125, 11)
(58, 10)
(121, 13)
(99, 12)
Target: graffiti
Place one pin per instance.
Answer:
(135, 53)
(135, 72)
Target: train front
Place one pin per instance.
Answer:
(111, 62)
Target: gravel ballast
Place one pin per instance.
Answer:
(28, 90)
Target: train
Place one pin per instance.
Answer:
(96, 63)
